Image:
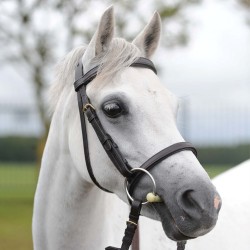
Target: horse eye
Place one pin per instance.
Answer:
(112, 109)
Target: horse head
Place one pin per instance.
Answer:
(139, 112)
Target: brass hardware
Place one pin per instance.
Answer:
(86, 106)
(131, 222)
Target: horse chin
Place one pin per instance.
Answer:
(162, 213)
(177, 224)
(168, 223)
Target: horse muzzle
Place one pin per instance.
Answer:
(193, 214)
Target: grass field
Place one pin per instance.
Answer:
(17, 187)
(214, 170)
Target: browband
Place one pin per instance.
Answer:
(84, 79)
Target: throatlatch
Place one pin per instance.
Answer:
(112, 150)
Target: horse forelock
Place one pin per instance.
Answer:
(119, 55)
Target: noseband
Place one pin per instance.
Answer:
(132, 177)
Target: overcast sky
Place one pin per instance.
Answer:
(211, 72)
(217, 60)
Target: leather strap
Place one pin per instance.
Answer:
(132, 224)
(84, 106)
(108, 144)
(142, 62)
(158, 157)
(181, 245)
(86, 145)
(84, 79)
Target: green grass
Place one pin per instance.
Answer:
(15, 225)
(214, 170)
(17, 181)
(17, 187)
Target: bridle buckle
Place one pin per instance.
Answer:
(86, 106)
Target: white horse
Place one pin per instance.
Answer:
(70, 212)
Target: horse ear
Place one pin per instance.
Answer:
(101, 40)
(147, 41)
(105, 32)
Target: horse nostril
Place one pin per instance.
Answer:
(187, 199)
(191, 203)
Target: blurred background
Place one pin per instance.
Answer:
(204, 58)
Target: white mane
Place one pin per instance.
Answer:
(120, 54)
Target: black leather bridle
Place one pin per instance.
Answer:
(85, 108)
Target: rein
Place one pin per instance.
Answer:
(132, 175)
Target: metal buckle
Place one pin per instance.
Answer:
(150, 176)
(86, 106)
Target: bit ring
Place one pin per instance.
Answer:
(149, 175)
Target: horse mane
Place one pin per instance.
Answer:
(120, 55)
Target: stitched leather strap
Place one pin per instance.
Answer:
(86, 145)
(111, 148)
(132, 224)
(108, 144)
(158, 157)
(142, 62)
(84, 79)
